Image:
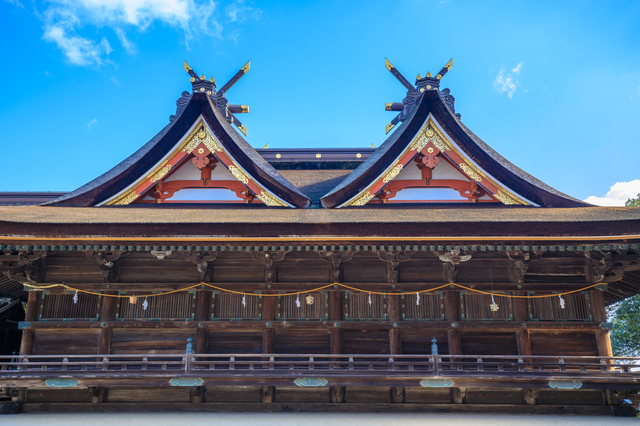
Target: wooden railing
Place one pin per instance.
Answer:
(283, 365)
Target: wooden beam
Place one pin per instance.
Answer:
(394, 312)
(297, 286)
(519, 307)
(268, 340)
(321, 325)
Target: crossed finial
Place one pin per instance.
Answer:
(202, 85)
(413, 92)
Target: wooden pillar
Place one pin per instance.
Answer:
(336, 315)
(520, 316)
(394, 308)
(452, 314)
(31, 315)
(107, 313)
(268, 314)
(203, 313)
(599, 315)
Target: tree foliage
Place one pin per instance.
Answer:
(625, 337)
(633, 202)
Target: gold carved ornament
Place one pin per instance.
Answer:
(506, 198)
(424, 138)
(160, 173)
(471, 172)
(202, 136)
(361, 199)
(269, 199)
(395, 171)
(238, 174)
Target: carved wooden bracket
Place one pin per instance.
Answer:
(107, 261)
(22, 267)
(451, 261)
(519, 264)
(336, 259)
(203, 263)
(597, 266)
(269, 258)
(393, 259)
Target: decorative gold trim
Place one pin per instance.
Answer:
(442, 142)
(392, 173)
(238, 174)
(161, 173)
(269, 199)
(361, 199)
(506, 198)
(199, 134)
(471, 172)
(127, 199)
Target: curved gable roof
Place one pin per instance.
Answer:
(477, 151)
(138, 165)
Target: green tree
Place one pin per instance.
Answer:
(633, 202)
(625, 337)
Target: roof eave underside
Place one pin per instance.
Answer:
(131, 169)
(477, 150)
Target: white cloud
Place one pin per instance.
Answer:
(91, 123)
(618, 194)
(505, 83)
(16, 3)
(239, 11)
(517, 68)
(65, 20)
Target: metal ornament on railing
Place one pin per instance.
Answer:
(309, 300)
(133, 299)
(493, 306)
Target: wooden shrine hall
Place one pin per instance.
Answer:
(428, 274)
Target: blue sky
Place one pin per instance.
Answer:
(553, 86)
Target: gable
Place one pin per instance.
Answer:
(198, 170)
(431, 169)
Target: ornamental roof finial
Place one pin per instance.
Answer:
(202, 85)
(413, 91)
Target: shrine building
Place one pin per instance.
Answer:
(426, 275)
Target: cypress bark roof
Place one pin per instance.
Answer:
(478, 151)
(137, 165)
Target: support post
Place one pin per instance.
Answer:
(203, 313)
(452, 313)
(394, 306)
(28, 335)
(599, 315)
(107, 313)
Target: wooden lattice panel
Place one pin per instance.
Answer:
(289, 310)
(168, 306)
(229, 306)
(357, 306)
(577, 308)
(476, 306)
(61, 306)
(430, 307)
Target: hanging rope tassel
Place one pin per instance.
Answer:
(561, 301)
(298, 301)
(417, 299)
(244, 302)
(75, 297)
(369, 299)
(145, 304)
